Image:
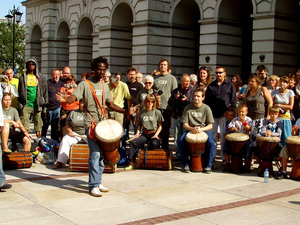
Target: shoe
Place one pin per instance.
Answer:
(103, 189)
(207, 170)
(130, 167)
(226, 167)
(7, 151)
(280, 175)
(95, 192)
(5, 186)
(186, 169)
(58, 165)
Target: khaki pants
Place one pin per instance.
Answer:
(37, 120)
(116, 116)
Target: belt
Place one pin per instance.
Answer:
(149, 132)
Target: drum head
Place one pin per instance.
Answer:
(237, 137)
(196, 138)
(268, 139)
(108, 131)
(293, 140)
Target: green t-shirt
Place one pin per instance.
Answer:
(141, 97)
(32, 83)
(83, 91)
(75, 120)
(194, 116)
(149, 120)
(166, 83)
(11, 114)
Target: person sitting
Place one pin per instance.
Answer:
(197, 117)
(240, 124)
(76, 130)
(271, 128)
(150, 122)
(11, 122)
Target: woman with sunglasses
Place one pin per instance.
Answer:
(149, 123)
(203, 77)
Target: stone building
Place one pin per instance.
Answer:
(239, 34)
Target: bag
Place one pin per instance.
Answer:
(47, 144)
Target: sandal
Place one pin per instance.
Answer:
(7, 151)
(58, 165)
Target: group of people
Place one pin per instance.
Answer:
(198, 104)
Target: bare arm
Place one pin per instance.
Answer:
(286, 107)
(268, 98)
(197, 129)
(157, 131)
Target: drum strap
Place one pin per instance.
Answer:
(102, 109)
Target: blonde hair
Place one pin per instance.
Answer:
(150, 97)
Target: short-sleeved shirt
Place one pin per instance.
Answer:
(76, 121)
(120, 93)
(282, 98)
(197, 116)
(15, 83)
(142, 95)
(149, 120)
(83, 91)
(11, 114)
(32, 83)
(166, 84)
(236, 122)
(134, 89)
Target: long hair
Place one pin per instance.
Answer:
(150, 97)
(208, 79)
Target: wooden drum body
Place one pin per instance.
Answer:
(154, 159)
(237, 143)
(79, 159)
(293, 146)
(109, 133)
(17, 160)
(268, 147)
(196, 144)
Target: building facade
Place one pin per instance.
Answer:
(237, 34)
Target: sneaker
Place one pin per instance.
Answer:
(5, 186)
(207, 170)
(186, 169)
(95, 192)
(130, 167)
(103, 189)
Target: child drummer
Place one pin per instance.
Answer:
(197, 117)
(271, 128)
(240, 124)
(150, 122)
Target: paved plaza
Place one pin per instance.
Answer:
(41, 195)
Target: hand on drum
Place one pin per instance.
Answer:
(196, 130)
(295, 130)
(268, 133)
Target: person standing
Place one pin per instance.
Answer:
(180, 98)
(165, 83)
(53, 108)
(33, 96)
(220, 96)
(14, 83)
(65, 74)
(91, 111)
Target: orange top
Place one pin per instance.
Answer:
(72, 106)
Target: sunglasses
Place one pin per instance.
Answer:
(31, 64)
(148, 82)
(151, 101)
(203, 68)
(219, 72)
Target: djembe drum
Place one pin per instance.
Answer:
(196, 144)
(236, 143)
(268, 149)
(109, 133)
(293, 146)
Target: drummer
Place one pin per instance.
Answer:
(240, 124)
(149, 122)
(197, 117)
(91, 111)
(271, 128)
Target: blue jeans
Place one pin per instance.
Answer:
(53, 117)
(96, 163)
(207, 157)
(178, 131)
(2, 175)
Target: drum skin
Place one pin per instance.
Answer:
(267, 147)
(155, 159)
(79, 159)
(196, 144)
(109, 133)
